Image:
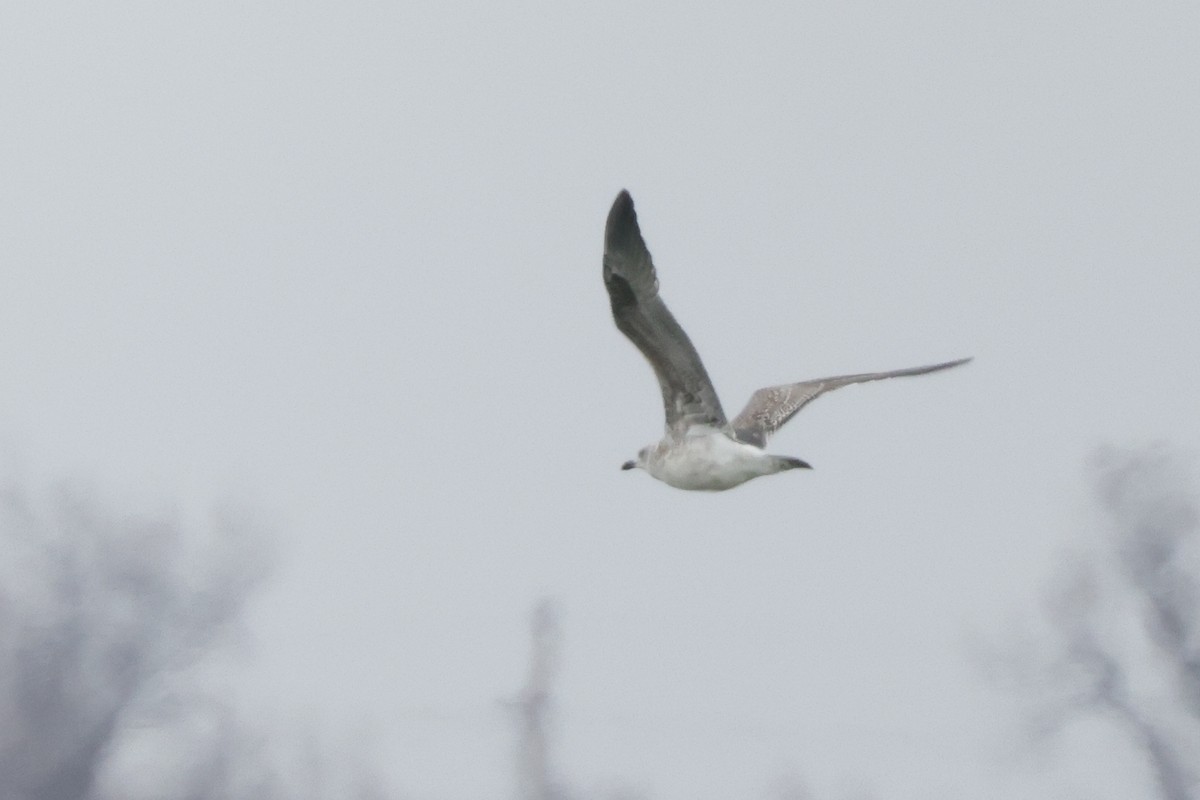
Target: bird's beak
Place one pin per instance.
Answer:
(629, 465)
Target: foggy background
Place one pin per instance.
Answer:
(311, 396)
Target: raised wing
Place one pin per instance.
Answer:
(688, 394)
(770, 408)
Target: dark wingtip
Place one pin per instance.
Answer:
(796, 463)
(628, 465)
(621, 230)
(628, 268)
(958, 362)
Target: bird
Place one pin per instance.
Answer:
(701, 449)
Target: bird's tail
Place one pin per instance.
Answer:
(787, 462)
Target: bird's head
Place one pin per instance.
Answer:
(639, 462)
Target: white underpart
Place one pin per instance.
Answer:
(707, 459)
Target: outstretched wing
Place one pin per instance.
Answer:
(770, 408)
(688, 394)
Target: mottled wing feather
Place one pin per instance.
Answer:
(770, 408)
(640, 314)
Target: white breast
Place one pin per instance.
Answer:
(708, 460)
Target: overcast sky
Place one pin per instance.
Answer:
(342, 261)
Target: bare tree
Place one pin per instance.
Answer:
(107, 621)
(1126, 620)
(532, 709)
(96, 608)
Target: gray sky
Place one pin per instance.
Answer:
(343, 260)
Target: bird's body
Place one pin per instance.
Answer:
(702, 449)
(709, 459)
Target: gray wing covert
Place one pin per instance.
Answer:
(640, 314)
(771, 407)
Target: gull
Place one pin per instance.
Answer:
(701, 450)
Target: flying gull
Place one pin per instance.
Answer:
(701, 449)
